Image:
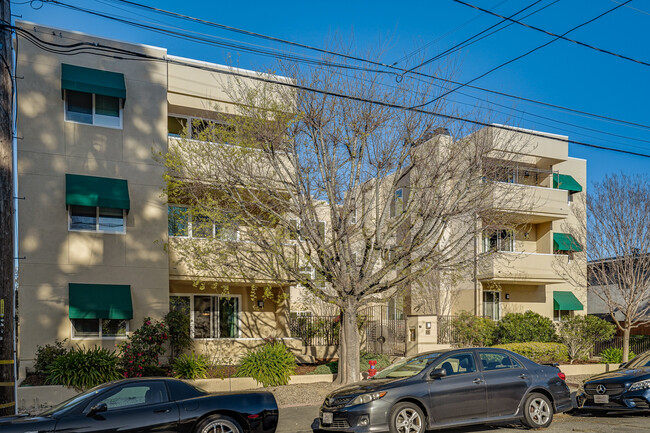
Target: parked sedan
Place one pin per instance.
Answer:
(161, 405)
(625, 389)
(449, 388)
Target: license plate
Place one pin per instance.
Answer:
(328, 417)
(601, 399)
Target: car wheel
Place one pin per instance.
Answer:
(538, 411)
(407, 418)
(218, 424)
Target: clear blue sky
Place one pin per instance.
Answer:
(562, 73)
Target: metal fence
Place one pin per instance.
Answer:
(638, 344)
(446, 334)
(316, 330)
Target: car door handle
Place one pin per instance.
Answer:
(478, 381)
(165, 410)
(523, 376)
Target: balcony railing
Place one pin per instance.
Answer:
(522, 175)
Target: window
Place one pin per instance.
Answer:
(497, 361)
(216, 316)
(199, 129)
(559, 315)
(491, 304)
(322, 227)
(311, 274)
(130, 395)
(93, 109)
(294, 230)
(96, 219)
(99, 328)
(398, 202)
(499, 240)
(570, 199)
(353, 215)
(181, 222)
(458, 364)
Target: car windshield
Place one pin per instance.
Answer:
(640, 361)
(407, 367)
(71, 402)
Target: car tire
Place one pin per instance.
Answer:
(538, 411)
(407, 418)
(220, 423)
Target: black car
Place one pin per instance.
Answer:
(449, 388)
(161, 405)
(625, 389)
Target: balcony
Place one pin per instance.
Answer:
(530, 204)
(519, 268)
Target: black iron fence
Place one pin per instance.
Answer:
(446, 334)
(316, 330)
(638, 344)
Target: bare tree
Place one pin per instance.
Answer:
(617, 233)
(352, 199)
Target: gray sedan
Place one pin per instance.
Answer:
(447, 389)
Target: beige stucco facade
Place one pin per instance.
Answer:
(51, 147)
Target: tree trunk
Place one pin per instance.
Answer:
(626, 343)
(348, 346)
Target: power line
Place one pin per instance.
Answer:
(522, 55)
(91, 47)
(504, 94)
(611, 53)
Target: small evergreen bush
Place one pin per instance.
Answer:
(579, 333)
(46, 355)
(538, 351)
(270, 365)
(178, 326)
(83, 369)
(143, 347)
(525, 327)
(326, 368)
(614, 355)
(472, 331)
(190, 366)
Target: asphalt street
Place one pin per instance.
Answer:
(303, 419)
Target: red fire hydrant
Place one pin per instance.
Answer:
(373, 368)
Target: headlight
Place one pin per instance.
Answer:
(636, 386)
(367, 398)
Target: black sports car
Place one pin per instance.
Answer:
(156, 404)
(625, 389)
(449, 388)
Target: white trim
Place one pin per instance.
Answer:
(97, 230)
(514, 128)
(93, 115)
(99, 335)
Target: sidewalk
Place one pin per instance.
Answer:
(298, 419)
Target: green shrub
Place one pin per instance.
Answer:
(178, 326)
(473, 331)
(81, 369)
(526, 327)
(614, 355)
(579, 333)
(143, 348)
(539, 352)
(46, 355)
(270, 365)
(190, 366)
(326, 368)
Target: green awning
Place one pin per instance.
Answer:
(96, 191)
(566, 301)
(92, 81)
(100, 301)
(565, 242)
(566, 182)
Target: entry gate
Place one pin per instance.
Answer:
(383, 330)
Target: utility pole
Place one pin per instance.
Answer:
(7, 290)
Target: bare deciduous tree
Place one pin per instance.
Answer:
(351, 199)
(617, 234)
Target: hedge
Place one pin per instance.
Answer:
(539, 352)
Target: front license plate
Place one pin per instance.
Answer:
(601, 399)
(328, 417)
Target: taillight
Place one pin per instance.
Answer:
(561, 375)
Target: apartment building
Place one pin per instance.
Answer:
(94, 219)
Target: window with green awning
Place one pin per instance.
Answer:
(566, 182)
(100, 301)
(87, 80)
(566, 301)
(96, 192)
(565, 242)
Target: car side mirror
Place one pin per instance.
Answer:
(437, 373)
(99, 407)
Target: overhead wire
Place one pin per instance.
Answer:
(133, 55)
(539, 47)
(398, 70)
(602, 50)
